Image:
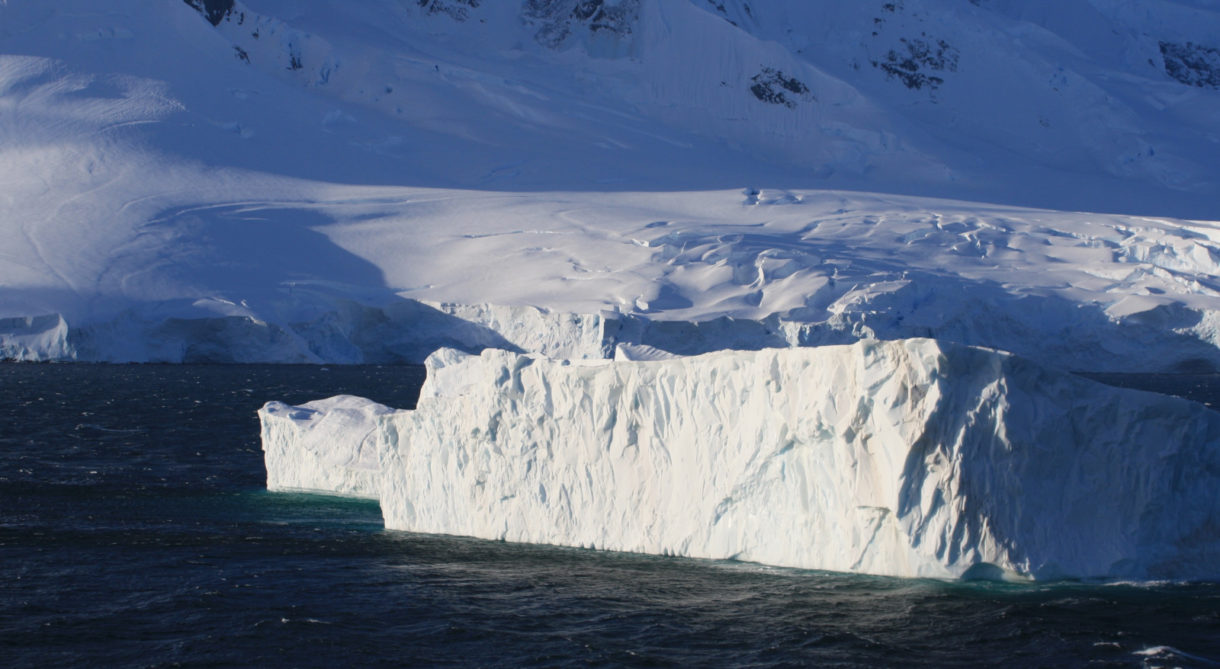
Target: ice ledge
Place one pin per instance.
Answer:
(908, 458)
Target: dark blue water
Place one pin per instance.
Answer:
(134, 531)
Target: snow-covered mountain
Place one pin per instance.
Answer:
(336, 181)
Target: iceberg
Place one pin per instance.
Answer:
(910, 458)
(323, 446)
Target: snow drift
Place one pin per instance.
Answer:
(910, 458)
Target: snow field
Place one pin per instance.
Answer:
(605, 187)
(390, 274)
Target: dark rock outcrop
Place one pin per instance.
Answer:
(1192, 64)
(770, 85)
(214, 11)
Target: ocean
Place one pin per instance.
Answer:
(135, 531)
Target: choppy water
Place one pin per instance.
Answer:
(134, 531)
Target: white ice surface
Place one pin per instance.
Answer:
(324, 446)
(909, 458)
(161, 198)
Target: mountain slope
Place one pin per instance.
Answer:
(989, 101)
(274, 180)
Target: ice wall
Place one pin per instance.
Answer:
(33, 338)
(908, 458)
(326, 446)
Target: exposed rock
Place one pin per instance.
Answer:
(558, 20)
(1192, 64)
(458, 10)
(773, 86)
(214, 11)
(921, 55)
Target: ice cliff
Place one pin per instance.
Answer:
(324, 446)
(910, 458)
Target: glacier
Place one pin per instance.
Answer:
(909, 457)
(576, 274)
(273, 181)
